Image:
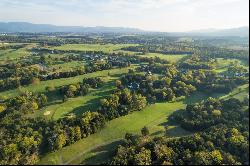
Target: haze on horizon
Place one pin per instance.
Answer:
(154, 15)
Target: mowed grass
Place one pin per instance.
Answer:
(98, 147)
(171, 58)
(92, 47)
(15, 54)
(81, 104)
(40, 88)
(152, 117)
(223, 64)
(67, 66)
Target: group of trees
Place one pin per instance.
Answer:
(210, 81)
(213, 52)
(166, 69)
(14, 76)
(222, 137)
(23, 139)
(170, 48)
(197, 61)
(71, 129)
(157, 88)
(80, 89)
(24, 103)
(121, 103)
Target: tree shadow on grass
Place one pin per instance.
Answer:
(102, 154)
(175, 130)
(157, 133)
(199, 96)
(90, 105)
(54, 97)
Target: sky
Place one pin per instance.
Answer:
(153, 15)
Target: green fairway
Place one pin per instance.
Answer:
(223, 64)
(239, 93)
(13, 54)
(98, 147)
(60, 82)
(92, 47)
(67, 66)
(171, 58)
(154, 117)
(78, 105)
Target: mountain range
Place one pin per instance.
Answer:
(13, 27)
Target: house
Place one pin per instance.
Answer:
(149, 73)
(134, 86)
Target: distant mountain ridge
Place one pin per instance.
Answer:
(240, 31)
(12, 27)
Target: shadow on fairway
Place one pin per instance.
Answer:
(102, 153)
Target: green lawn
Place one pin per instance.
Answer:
(92, 47)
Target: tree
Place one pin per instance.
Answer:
(118, 84)
(138, 102)
(78, 134)
(166, 129)
(145, 131)
(216, 157)
(2, 108)
(42, 59)
(216, 113)
(60, 141)
(34, 106)
(65, 98)
(164, 154)
(143, 157)
(35, 81)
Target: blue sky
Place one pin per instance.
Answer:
(157, 15)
